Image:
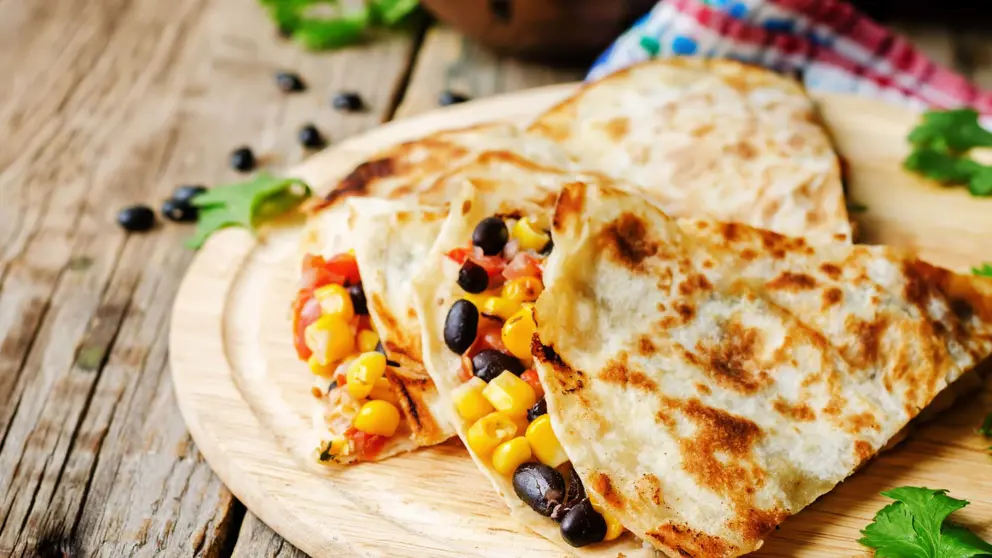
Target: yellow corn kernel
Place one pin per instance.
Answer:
(518, 331)
(523, 289)
(477, 299)
(500, 307)
(544, 443)
(335, 301)
(613, 526)
(322, 370)
(330, 338)
(508, 393)
(469, 402)
(530, 236)
(364, 373)
(510, 454)
(383, 391)
(378, 417)
(367, 340)
(490, 431)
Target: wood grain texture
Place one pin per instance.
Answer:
(256, 540)
(116, 102)
(246, 401)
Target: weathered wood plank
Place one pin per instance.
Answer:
(447, 60)
(116, 102)
(256, 540)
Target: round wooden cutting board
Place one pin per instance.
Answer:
(246, 399)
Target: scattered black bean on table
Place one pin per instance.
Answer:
(136, 218)
(289, 82)
(310, 137)
(243, 159)
(449, 97)
(179, 211)
(186, 192)
(347, 101)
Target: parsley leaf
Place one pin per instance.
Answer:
(955, 131)
(914, 526)
(984, 271)
(940, 166)
(324, 24)
(245, 204)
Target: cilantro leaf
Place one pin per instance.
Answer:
(325, 24)
(980, 183)
(956, 131)
(984, 271)
(914, 526)
(940, 166)
(326, 33)
(986, 428)
(392, 12)
(245, 204)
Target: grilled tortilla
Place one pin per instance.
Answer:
(510, 187)
(415, 172)
(708, 380)
(713, 138)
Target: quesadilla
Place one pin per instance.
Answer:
(714, 138)
(707, 380)
(475, 299)
(393, 411)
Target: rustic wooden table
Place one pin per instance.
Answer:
(111, 102)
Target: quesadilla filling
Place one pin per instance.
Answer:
(332, 333)
(500, 399)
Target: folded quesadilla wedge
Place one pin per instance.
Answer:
(475, 298)
(708, 380)
(715, 138)
(422, 171)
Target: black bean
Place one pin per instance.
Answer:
(179, 211)
(136, 218)
(242, 159)
(358, 300)
(310, 137)
(449, 97)
(347, 101)
(472, 277)
(186, 193)
(491, 235)
(460, 326)
(539, 408)
(539, 486)
(491, 363)
(289, 82)
(583, 525)
(380, 349)
(548, 248)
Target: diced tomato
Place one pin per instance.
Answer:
(345, 265)
(523, 265)
(306, 310)
(466, 372)
(314, 273)
(363, 322)
(492, 264)
(366, 446)
(530, 376)
(491, 335)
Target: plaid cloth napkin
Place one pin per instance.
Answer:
(829, 43)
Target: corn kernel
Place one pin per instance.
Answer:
(518, 331)
(477, 299)
(337, 447)
(500, 307)
(613, 526)
(529, 235)
(489, 432)
(322, 370)
(544, 443)
(330, 338)
(368, 340)
(364, 373)
(523, 289)
(510, 394)
(510, 454)
(383, 391)
(378, 417)
(335, 301)
(469, 402)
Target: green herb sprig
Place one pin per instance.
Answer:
(916, 526)
(325, 24)
(984, 271)
(940, 145)
(245, 204)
